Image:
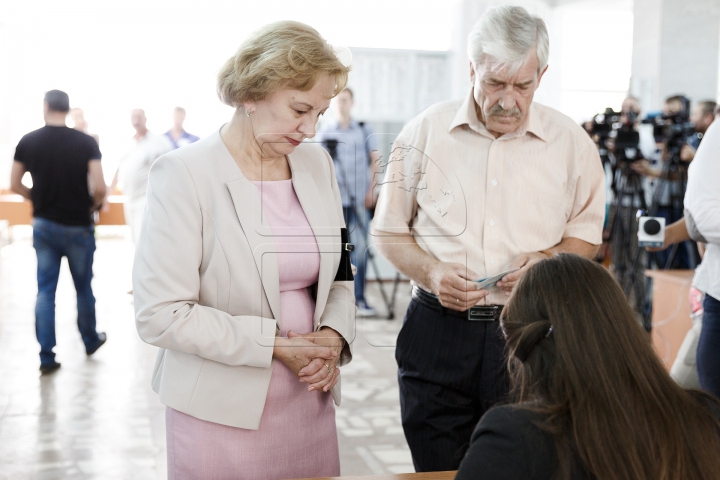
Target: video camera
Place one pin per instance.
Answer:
(603, 123)
(607, 125)
(673, 129)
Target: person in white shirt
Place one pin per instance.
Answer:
(701, 222)
(132, 174)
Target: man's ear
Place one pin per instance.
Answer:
(541, 75)
(472, 73)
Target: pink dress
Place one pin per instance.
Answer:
(297, 436)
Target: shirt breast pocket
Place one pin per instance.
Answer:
(543, 214)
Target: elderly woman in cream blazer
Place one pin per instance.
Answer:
(236, 275)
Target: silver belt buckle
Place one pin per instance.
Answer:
(480, 314)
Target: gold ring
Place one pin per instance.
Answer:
(457, 301)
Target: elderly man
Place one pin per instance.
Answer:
(474, 188)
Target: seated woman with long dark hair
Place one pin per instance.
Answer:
(594, 401)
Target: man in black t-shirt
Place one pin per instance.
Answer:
(68, 186)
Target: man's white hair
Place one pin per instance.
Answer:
(503, 37)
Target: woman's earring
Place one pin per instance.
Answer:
(247, 112)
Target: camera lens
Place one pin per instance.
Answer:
(651, 227)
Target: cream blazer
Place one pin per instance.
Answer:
(206, 284)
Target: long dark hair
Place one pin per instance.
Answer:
(579, 355)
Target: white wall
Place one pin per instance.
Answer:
(675, 50)
(595, 40)
(111, 57)
(395, 85)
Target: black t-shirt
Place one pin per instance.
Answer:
(57, 158)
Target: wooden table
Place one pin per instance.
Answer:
(671, 311)
(116, 214)
(15, 209)
(399, 476)
(18, 211)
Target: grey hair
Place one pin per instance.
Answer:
(504, 36)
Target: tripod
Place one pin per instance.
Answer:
(673, 176)
(629, 195)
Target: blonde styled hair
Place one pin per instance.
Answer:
(280, 55)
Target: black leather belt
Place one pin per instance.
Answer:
(485, 313)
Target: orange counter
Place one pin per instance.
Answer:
(18, 211)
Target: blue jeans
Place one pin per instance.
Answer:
(358, 237)
(52, 241)
(708, 350)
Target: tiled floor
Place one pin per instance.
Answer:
(98, 417)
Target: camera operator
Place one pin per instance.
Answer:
(630, 113)
(626, 142)
(667, 172)
(703, 114)
(701, 222)
(610, 128)
(652, 167)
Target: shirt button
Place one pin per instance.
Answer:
(492, 223)
(494, 183)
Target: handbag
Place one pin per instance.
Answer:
(344, 271)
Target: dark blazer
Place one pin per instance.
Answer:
(508, 444)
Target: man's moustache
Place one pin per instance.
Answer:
(498, 110)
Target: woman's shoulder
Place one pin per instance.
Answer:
(203, 151)
(508, 444)
(517, 423)
(512, 417)
(205, 161)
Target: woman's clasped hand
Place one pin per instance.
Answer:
(313, 357)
